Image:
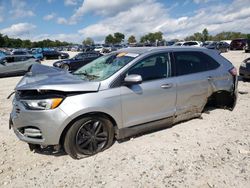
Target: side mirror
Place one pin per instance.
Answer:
(133, 79)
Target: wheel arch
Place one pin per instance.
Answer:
(222, 99)
(102, 114)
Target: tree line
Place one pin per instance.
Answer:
(118, 37)
(205, 36)
(5, 41)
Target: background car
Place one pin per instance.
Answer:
(245, 69)
(220, 46)
(247, 47)
(2, 54)
(223, 46)
(78, 61)
(37, 53)
(19, 52)
(16, 64)
(52, 54)
(178, 44)
(238, 44)
(188, 43)
(99, 48)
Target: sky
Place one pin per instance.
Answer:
(75, 20)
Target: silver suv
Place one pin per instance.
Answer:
(119, 95)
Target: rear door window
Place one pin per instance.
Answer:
(193, 62)
(20, 58)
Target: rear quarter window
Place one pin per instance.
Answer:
(193, 62)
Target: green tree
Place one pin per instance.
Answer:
(88, 41)
(143, 39)
(205, 35)
(109, 39)
(2, 42)
(158, 36)
(26, 44)
(131, 39)
(119, 37)
(196, 36)
(152, 37)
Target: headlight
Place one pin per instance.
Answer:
(42, 104)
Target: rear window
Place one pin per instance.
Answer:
(193, 62)
(190, 43)
(239, 40)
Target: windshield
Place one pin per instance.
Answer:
(105, 66)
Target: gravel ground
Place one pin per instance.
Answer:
(213, 151)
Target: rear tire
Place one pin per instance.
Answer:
(88, 136)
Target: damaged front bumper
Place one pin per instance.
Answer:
(41, 127)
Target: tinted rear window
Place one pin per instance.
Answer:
(193, 62)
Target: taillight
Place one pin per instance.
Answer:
(233, 71)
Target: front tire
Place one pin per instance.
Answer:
(88, 136)
(65, 67)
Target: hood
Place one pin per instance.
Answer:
(43, 77)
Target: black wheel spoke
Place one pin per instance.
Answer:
(92, 137)
(102, 134)
(86, 143)
(94, 143)
(100, 139)
(91, 148)
(98, 127)
(82, 140)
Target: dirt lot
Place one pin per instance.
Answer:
(210, 152)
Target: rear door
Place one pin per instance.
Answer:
(155, 97)
(195, 74)
(10, 65)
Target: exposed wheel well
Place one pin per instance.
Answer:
(81, 116)
(221, 99)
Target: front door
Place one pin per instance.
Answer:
(155, 97)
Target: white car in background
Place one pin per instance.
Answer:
(99, 49)
(188, 43)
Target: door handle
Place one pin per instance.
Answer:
(166, 86)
